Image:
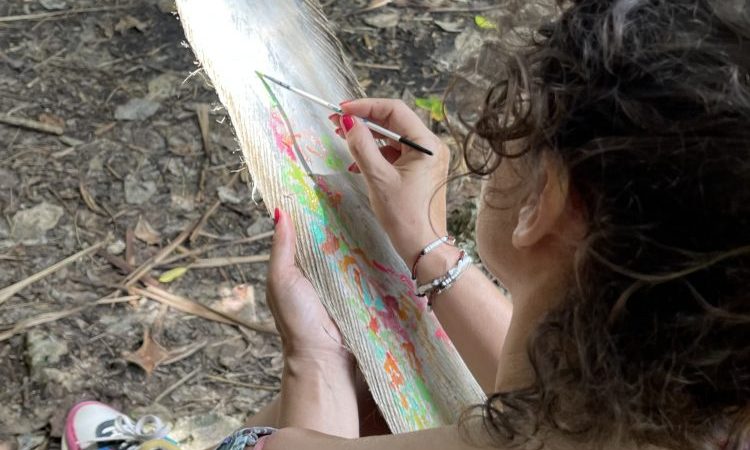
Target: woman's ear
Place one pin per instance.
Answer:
(542, 211)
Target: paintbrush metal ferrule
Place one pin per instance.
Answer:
(372, 126)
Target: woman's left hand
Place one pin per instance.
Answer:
(305, 327)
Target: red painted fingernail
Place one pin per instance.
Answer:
(333, 117)
(347, 122)
(276, 216)
(260, 443)
(352, 168)
(339, 132)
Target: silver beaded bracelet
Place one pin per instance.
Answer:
(442, 284)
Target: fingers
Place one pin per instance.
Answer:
(365, 151)
(390, 153)
(336, 120)
(392, 114)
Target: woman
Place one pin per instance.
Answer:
(617, 214)
(616, 211)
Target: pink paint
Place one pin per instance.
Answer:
(440, 334)
(374, 325)
(334, 197)
(390, 317)
(284, 141)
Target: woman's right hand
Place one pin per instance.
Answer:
(406, 187)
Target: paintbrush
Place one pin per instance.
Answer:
(333, 107)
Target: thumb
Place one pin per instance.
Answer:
(365, 150)
(283, 247)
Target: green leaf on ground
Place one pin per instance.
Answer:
(172, 274)
(484, 23)
(434, 105)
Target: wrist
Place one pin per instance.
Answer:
(308, 361)
(436, 263)
(412, 246)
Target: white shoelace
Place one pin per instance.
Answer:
(145, 429)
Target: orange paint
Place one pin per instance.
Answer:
(404, 401)
(331, 245)
(374, 325)
(391, 368)
(346, 262)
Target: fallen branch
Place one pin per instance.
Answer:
(192, 307)
(208, 263)
(31, 124)
(11, 290)
(41, 319)
(264, 387)
(205, 248)
(179, 383)
(54, 14)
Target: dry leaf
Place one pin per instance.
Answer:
(150, 355)
(89, 200)
(146, 233)
(239, 302)
(129, 22)
(51, 119)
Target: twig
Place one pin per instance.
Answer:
(50, 15)
(264, 387)
(208, 263)
(469, 9)
(377, 66)
(178, 354)
(41, 319)
(179, 383)
(205, 248)
(191, 307)
(11, 290)
(196, 232)
(31, 124)
(202, 111)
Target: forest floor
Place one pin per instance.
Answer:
(107, 144)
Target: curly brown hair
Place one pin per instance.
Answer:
(647, 103)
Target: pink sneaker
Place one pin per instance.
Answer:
(96, 426)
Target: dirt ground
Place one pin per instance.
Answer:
(117, 147)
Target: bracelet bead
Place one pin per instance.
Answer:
(450, 240)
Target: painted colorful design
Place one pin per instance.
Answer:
(390, 320)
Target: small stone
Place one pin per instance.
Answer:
(8, 179)
(43, 351)
(31, 225)
(386, 19)
(137, 109)
(138, 192)
(53, 5)
(116, 248)
(261, 225)
(163, 86)
(451, 26)
(228, 195)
